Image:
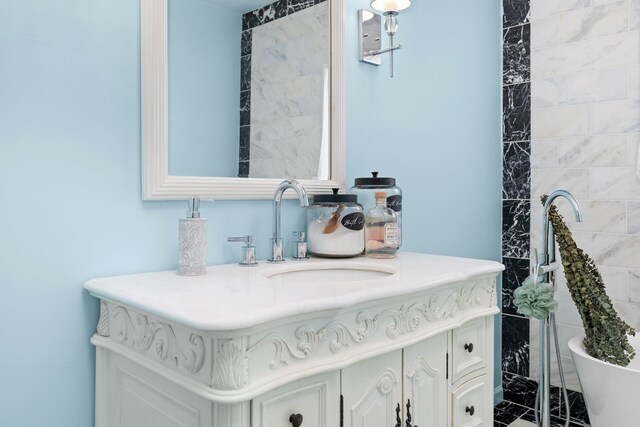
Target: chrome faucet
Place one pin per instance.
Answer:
(276, 240)
(548, 265)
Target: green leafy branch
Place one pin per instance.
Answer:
(606, 333)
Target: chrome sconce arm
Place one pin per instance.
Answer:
(370, 30)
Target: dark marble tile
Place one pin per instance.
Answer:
(515, 228)
(298, 5)
(245, 43)
(265, 14)
(516, 170)
(515, 12)
(243, 169)
(555, 421)
(577, 407)
(516, 270)
(245, 108)
(516, 57)
(516, 112)
(515, 345)
(518, 389)
(245, 73)
(507, 412)
(245, 143)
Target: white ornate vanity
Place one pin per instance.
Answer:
(329, 342)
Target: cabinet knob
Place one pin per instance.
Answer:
(295, 420)
(398, 420)
(469, 347)
(471, 410)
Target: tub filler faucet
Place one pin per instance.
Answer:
(276, 240)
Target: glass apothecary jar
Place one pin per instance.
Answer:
(335, 225)
(365, 188)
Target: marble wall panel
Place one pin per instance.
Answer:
(516, 54)
(516, 170)
(595, 151)
(516, 271)
(560, 122)
(515, 344)
(546, 31)
(593, 85)
(591, 22)
(515, 228)
(544, 153)
(514, 12)
(516, 112)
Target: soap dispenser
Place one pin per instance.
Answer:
(192, 241)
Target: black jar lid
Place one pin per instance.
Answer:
(376, 181)
(335, 197)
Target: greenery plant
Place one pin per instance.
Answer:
(606, 333)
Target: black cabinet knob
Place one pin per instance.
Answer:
(469, 347)
(471, 410)
(295, 420)
(398, 420)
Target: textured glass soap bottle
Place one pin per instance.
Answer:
(381, 229)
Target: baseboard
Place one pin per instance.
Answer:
(498, 395)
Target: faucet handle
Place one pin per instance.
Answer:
(248, 250)
(301, 246)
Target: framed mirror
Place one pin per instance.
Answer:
(244, 147)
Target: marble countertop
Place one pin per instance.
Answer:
(230, 297)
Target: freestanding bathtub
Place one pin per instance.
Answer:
(610, 391)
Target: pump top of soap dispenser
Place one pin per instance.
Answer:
(193, 207)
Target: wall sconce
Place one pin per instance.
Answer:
(370, 30)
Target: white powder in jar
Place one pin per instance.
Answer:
(341, 243)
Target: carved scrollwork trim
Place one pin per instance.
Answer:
(230, 368)
(421, 368)
(403, 320)
(167, 347)
(103, 322)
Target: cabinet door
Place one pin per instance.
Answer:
(315, 401)
(425, 382)
(372, 390)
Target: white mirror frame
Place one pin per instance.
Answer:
(157, 184)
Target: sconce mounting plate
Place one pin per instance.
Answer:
(370, 36)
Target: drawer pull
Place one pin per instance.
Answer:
(295, 420)
(471, 410)
(469, 347)
(398, 420)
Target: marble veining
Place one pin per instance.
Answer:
(515, 228)
(516, 271)
(516, 54)
(514, 12)
(245, 108)
(602, 20)
(515, 344)
(516, 112)
(264, 15)
(245, 43)
(595, 151)
(516, 171)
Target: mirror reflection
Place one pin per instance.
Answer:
(249, 89)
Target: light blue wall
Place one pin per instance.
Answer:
(70, 205)
(204, 89)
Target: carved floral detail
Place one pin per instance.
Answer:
(231, 367)
(103, 322)
(167, 347)
(403, 320)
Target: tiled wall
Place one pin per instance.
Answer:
(579, 130)
(284, 75)
(585, 136)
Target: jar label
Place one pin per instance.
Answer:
(395, 203)
(391, 234)
(353, 221)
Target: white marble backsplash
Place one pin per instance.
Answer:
(585, 124)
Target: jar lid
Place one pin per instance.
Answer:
(335, 197)
(374, 180)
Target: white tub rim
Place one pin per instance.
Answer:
(576, 347)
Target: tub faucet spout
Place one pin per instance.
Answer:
(276, 240)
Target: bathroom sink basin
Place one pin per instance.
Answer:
(329, 273)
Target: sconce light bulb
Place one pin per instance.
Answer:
(390, 6)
